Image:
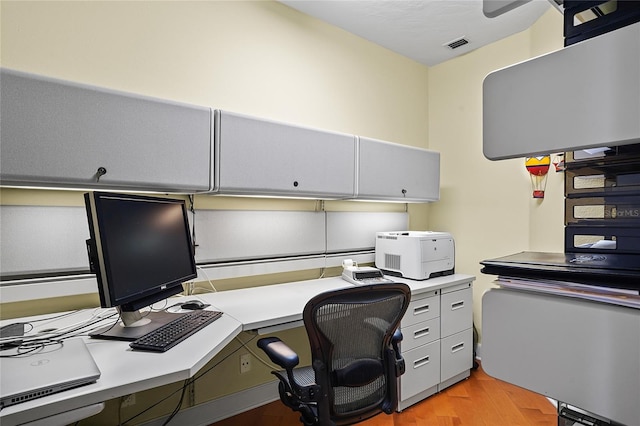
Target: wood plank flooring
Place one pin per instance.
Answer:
(478, 401)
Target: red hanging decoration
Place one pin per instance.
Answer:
(538, 167)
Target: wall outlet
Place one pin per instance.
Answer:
(245, 363)
(128, 400)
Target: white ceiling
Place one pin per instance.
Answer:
(421, 29)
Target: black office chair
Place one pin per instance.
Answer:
(355, 357)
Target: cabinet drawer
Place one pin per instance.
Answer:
(457, 354)
(456, 311)
(423, 369)
(420, 310)
(419, 334)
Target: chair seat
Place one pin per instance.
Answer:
(304, 376)
(348, 399)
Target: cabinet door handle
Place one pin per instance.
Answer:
(457, 305)
(420, 362)
(421, 333)
(421, 309)
(100, 172)
(457, 348)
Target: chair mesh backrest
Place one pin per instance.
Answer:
(353, 326)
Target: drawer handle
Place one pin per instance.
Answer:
(457, 348)
(457, 305)
(420, 362)
(421, 310)
(421, 333)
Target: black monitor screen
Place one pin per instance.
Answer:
(140, 248)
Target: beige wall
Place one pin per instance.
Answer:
(259, 58)
(265, 59)
(486, 205)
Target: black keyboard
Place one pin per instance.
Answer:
(167, 336)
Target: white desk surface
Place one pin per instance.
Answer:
(282, 304)
(265, 306)
(125, 371)
(437, 283)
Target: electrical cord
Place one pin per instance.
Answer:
(56, 333)
(32, 348)
(215, 290)
(187, 383)
(192, 209)
(179, 404)
(266, 363)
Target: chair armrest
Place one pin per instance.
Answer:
(396, 338)
(279, 352)
(395, 341)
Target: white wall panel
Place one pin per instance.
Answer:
(41, 239)
(37, 239)
(224, 235)
(350, 231)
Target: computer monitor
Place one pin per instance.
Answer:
(141, 252)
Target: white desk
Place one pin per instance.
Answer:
(276, 307)
(273, 307)
(583, 353)
(438, 283)
(124, 371)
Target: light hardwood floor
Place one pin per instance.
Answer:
(478, 401)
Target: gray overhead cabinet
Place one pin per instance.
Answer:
(61, 134)
(255, 156)
(583, 96)
(392, 172)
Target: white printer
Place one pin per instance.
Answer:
(417, 255)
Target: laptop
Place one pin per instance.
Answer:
(55, 368)
(608, 270)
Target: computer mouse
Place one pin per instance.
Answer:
(193, 305)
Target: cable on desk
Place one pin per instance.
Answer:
(57, 333)
(32, 348)
(83, 328)
(108, 328)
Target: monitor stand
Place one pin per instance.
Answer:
(133, 325)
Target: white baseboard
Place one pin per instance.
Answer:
(225, 407)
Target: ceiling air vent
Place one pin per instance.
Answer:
(457, 43)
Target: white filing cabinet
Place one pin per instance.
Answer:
(437, 331)
(456, 329)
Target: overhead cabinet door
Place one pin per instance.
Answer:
(394, 172)
(57, 133)
(584, 96)
(262, 157)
